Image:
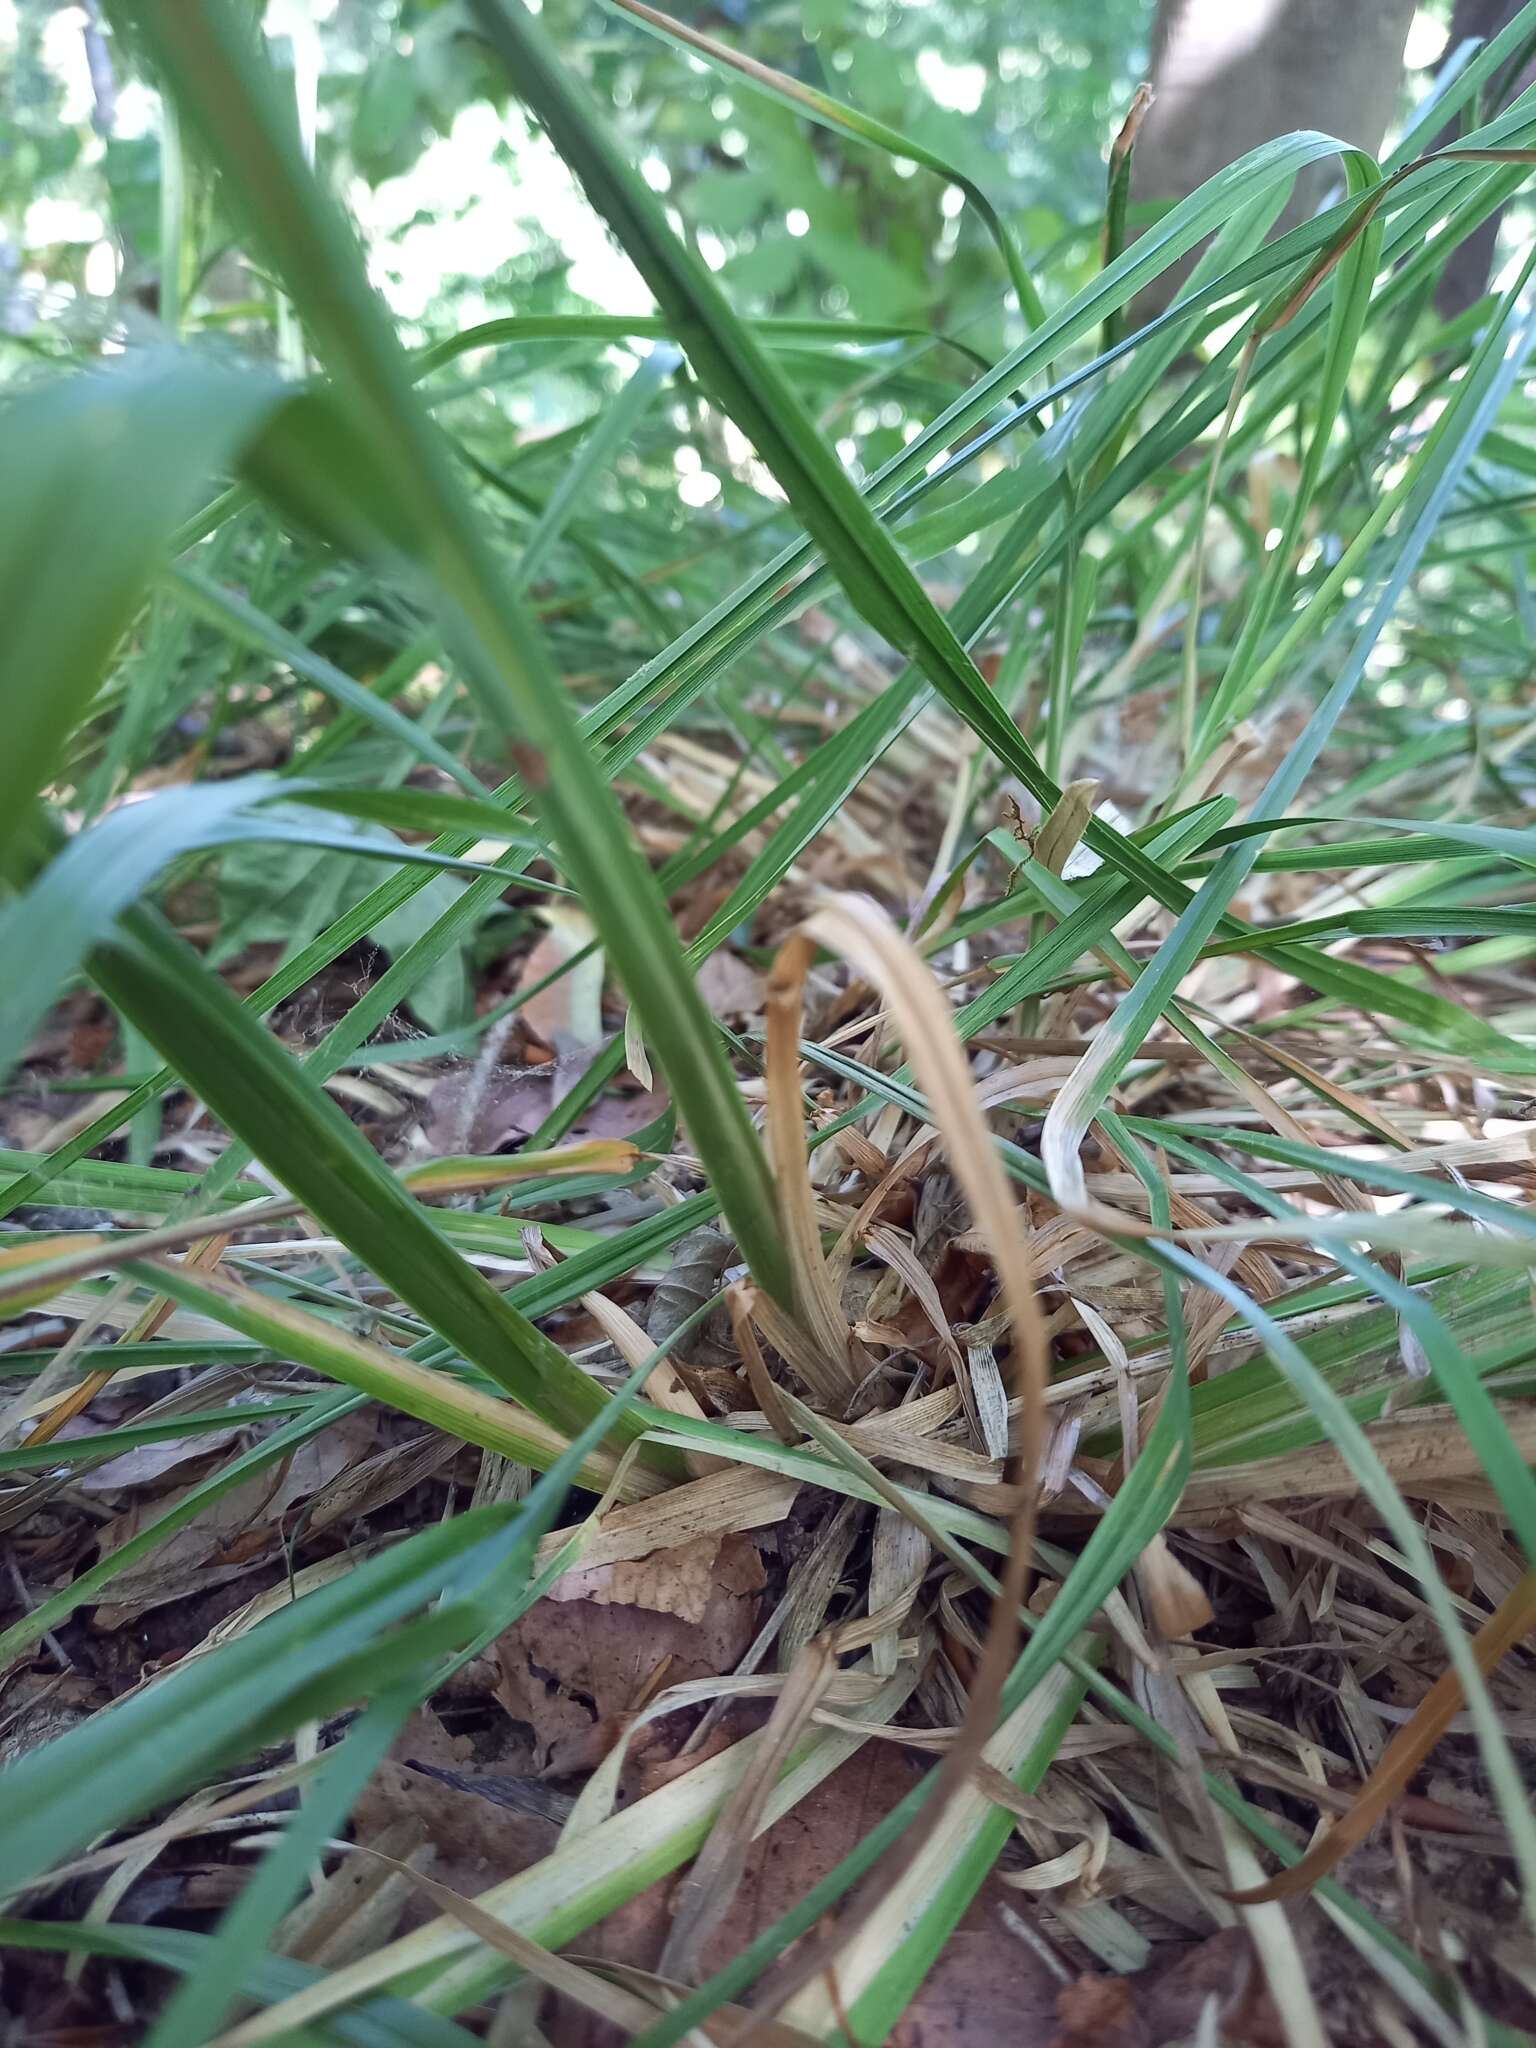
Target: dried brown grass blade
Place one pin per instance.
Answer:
(1423, 1450)
(664, 1388)
(820, 1311)
(890, 1177)
(1511, 1621)
(862, 932)
(187, 1820)
(702, 1898)
(827, 1378)
(205, 1256)
(841, 1445)
(1342, 1192)
(743, 1301)
(1358, 1108)
(741, 1497)
(58, 1260)
(1066, 824)
(1130, 127)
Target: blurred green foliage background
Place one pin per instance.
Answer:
(465, 208)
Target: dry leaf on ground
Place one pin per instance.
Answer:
(987, 1987)
(146, 1463)
(476, 1840)
(477, 1826)
(229, 1538)
(679, 1581)
(1100, 2012)
(567, 1015)
(513, 1102)
(588, 1654)
(731, 988)
(1164, 2004)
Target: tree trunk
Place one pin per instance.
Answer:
(1470, 265)
(1230, 74)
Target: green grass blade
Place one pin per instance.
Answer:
(316, 1152)
(848, 122)
(79, 488)
(1442, 462)
(612, 431)
(228, 98)
(376, 2023)
(204, 1997)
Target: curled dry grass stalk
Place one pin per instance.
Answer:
(1126, 1302)
(859, 931)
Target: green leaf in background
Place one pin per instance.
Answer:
(76, 446)
(843, 121)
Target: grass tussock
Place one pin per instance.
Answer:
(985, 1176)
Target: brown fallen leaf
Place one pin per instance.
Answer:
(476, 1840)
(731, 988)
(145, 1463)
(1165, 2003)
(567, 1015)
(42, 1706)
(481, 1824)
(234, 1533)
(512, 1102)
(580, 1660)
(1178, 1601)
(1173, 1994)
(679, 1581)
(986, 1987)
(424, 1740)
(1099, 2012)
